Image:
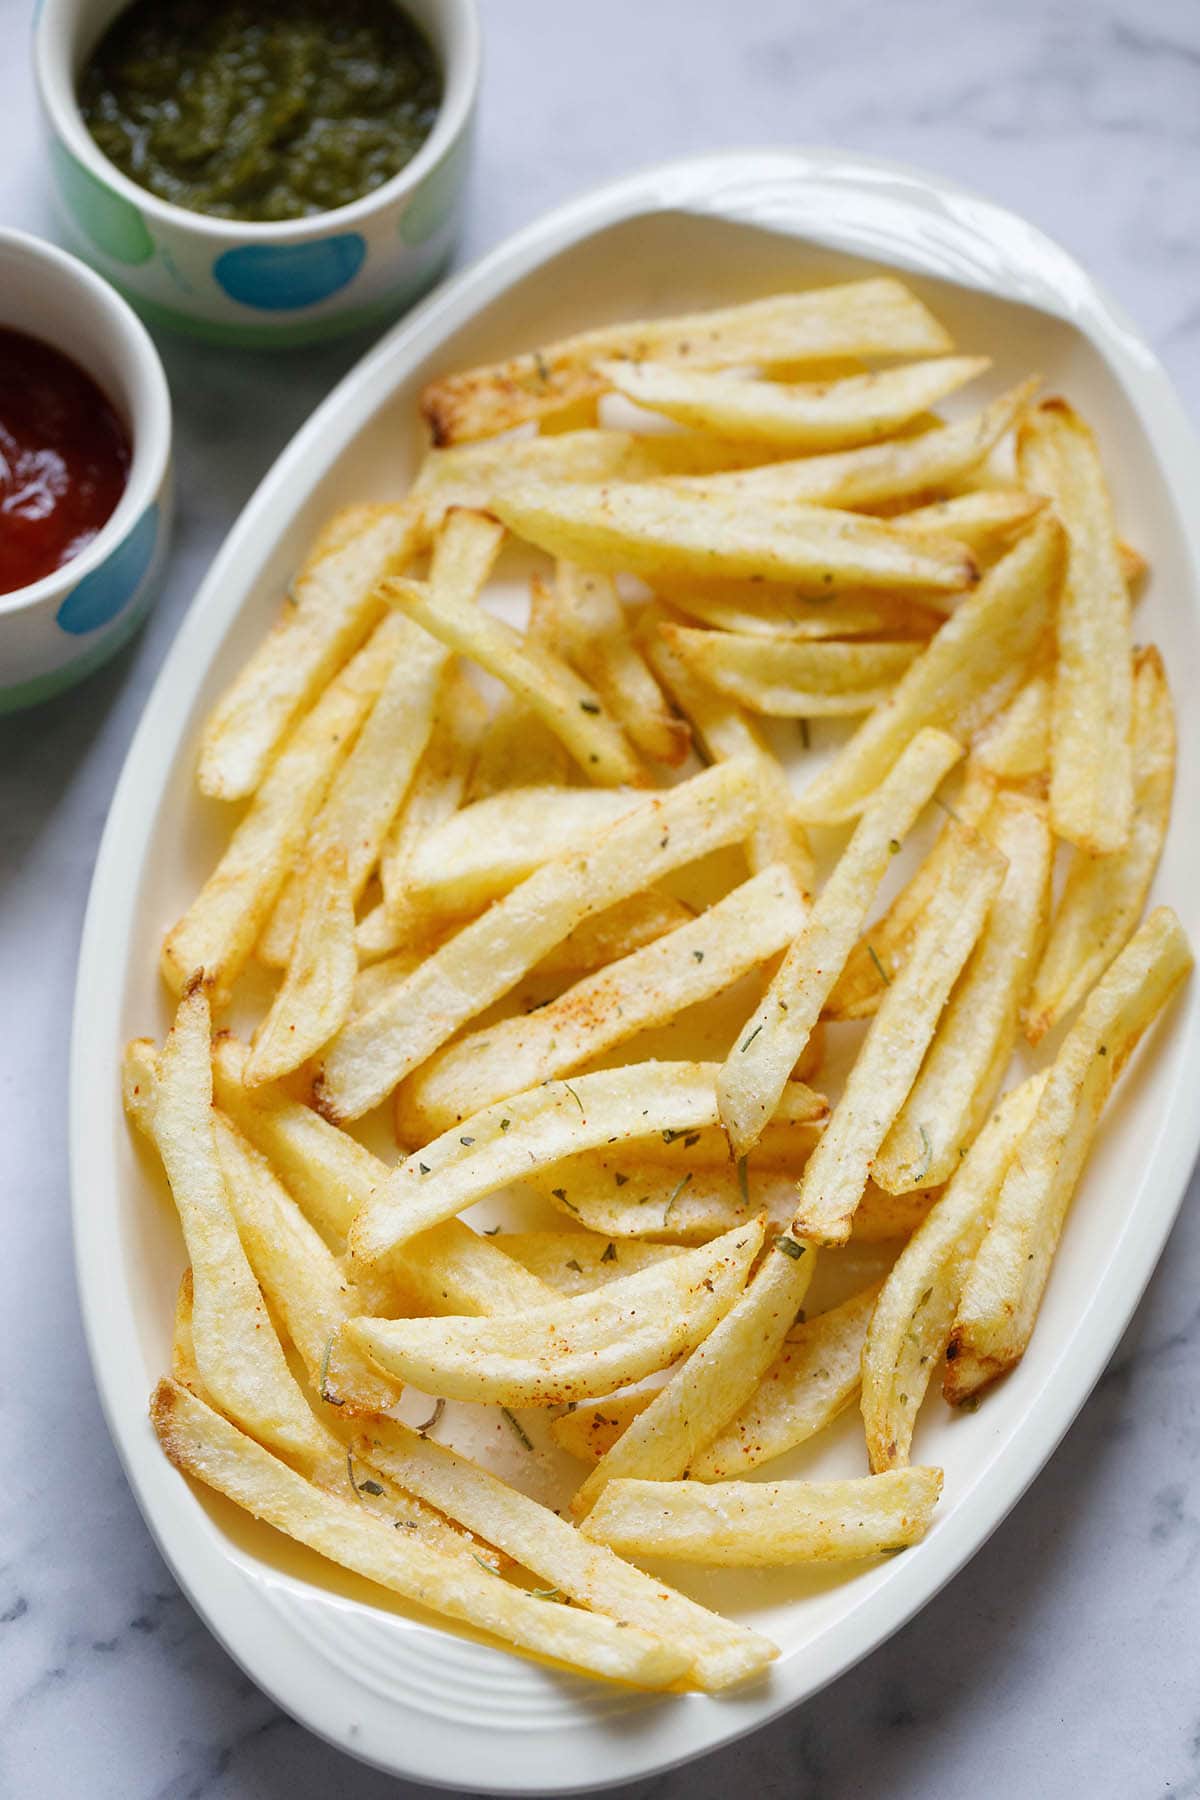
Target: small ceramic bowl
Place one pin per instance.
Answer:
(59, 629)
(269, 284)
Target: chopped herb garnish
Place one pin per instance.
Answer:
(322, 1387)
(517, 1427)
(588, 706)
(746, 1045)
(790, 1247)
(466, 1140)
(893, 845)
(506, 1124)
(370, 1487)
(671, 1133)
(424, 1168)
(675, 1193)
(491, 1230)
(610, 1253)
(484, 1564)
(698, 955)
(620, 1179)
(548, 1594)
(920, 1174)
(1103, 1050)
(574, 1095)
(572, 1264)
(439, 1407)
(542, 367)
(693, 1137)
(883, 974)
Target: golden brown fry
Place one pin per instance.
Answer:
(600, 643)
(314, 997)
(973, 666)
(877, 317)
(792, 680)
(773, 610)
(754, 1074)
(1104, 895)
(751, 1524)
(1004, 1288)
(1091, 770)
(330, 609)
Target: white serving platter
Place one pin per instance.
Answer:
(404, 1694)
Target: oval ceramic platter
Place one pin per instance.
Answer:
(399, 1692)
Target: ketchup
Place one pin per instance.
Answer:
(64, 459)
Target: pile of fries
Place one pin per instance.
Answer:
(488, 869)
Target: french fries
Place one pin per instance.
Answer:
(899, 1035)
(318, 984)
(1104, 895)
(878, 317)
(655, 530)
(1004, 1288)
(202, 1444)
(515, 1137)
(573, 1348)
(813, 415)
(483, 961)
(751, 1524)
(973, 666)
(331, 608)
(793, 680)
(500, 899)
(973, 1045)
(1091, 772)
(754, 1074)
(910, 1325)
(649, 987)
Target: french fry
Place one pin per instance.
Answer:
(1104, 895)
(600, 644)
(973, 667)
(237, 1353)
(691, 1201)
(1091, 771)
(474, 474)
(653, 529)
(535, 674)
(314, 997)
(435, 793)
(754, 1074)
(895, 1045)
(720, 1652)
(715, 1382)
(589, 1432)
(299, 1275)
(974, 1042)
(910, 1326)
(751, 1524)
(725, 732)
(815, 1377)
(203, 1445)
(183, 1345)
(899, 469)
(330, 1175)
(573, 1348)
(792, 680)
(648, 988)
(986, 521)
(1016, 742)
(881, 1218)
(772, 610)
(486, 848)
(514, 1138)
(880, 952)
(219, 929)
(330, 610)
(616, 932)
(486, 959)
(877, 317)
(574, 1262)
(804, 416)
(1004, 1288)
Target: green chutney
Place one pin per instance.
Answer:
(261, 109)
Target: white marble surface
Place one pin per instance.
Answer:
(1065, 1660)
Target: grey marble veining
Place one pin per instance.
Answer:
(1065, 1660)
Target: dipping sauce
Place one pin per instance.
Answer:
(64, 460)
(269, 110)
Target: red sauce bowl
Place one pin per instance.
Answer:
(86, 443)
